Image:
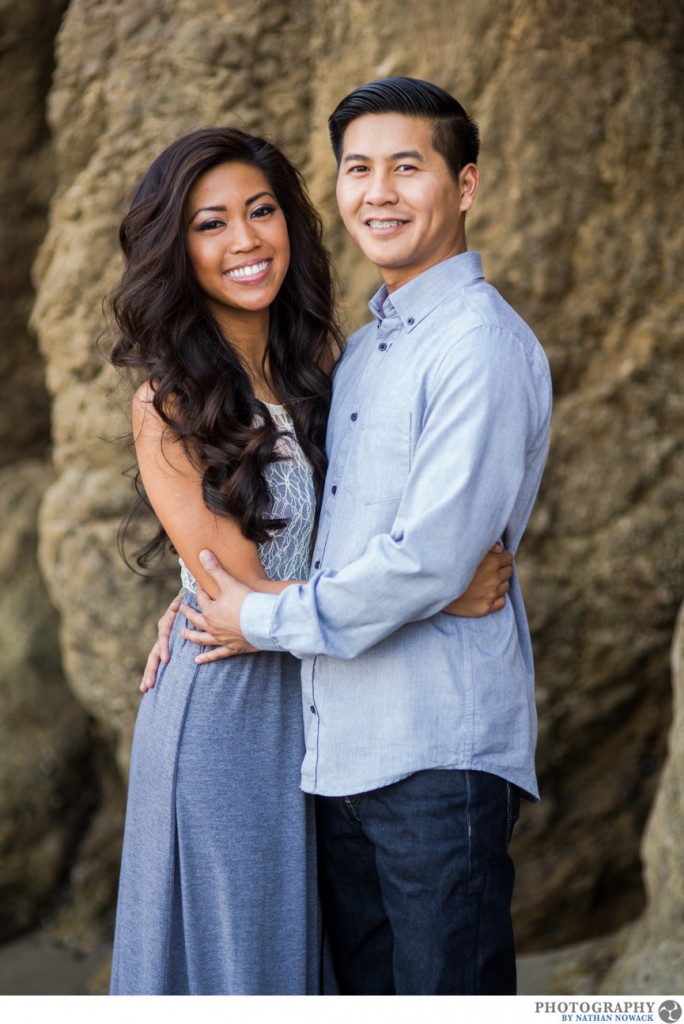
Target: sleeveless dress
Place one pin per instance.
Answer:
(217, 892)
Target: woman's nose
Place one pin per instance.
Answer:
(243, 237)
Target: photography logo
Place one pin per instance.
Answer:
(578, 1011)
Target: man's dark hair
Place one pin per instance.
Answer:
(454, 134)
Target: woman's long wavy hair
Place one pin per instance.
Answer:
(167, 335)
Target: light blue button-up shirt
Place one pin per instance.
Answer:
(437, 439)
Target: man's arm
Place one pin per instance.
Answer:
(480, 422)
(486, 594)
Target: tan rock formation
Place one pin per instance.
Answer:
(652, 952)
(578, 221)
(47, 791)
(27, 33)
(646, 956)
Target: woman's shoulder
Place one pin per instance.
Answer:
(143, 411)
(147, 419)
(144, 406)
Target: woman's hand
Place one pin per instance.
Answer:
(160, 653)
(487, 590)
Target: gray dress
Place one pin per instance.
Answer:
(217, 893)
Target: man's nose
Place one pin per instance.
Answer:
(380, 189)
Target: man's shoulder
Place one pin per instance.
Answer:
(477, 325)
(483, 307)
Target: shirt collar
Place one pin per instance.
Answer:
(419, 297)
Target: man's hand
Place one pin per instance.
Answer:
(160, 653)
(219, 620)
(487, 590)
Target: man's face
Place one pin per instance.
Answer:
(397, 197)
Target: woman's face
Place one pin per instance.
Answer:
(236, 239)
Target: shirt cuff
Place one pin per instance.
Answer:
(256, 621)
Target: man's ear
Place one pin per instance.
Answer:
(469, 181)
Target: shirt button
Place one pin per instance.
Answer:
(334, 488)
(317, 565)
(382, 346)
(312, 709)
(354, 416)
(410, 320)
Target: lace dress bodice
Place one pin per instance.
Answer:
(285, 556)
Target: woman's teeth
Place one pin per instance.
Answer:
(251, 271)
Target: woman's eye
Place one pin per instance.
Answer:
(210, 225)
(263, 211)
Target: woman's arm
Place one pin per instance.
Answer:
(174, 488)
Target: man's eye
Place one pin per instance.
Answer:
(358, 169)
(406, 167)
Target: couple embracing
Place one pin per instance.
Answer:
(322, 792)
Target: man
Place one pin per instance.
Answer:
(420, 727)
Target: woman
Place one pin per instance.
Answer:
(225, 310)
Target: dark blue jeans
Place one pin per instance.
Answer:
(416, 884)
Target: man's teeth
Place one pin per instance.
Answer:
(251, 271)
(385, 223)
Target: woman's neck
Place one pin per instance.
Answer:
(248, 335)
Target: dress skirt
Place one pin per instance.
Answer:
(217, 893)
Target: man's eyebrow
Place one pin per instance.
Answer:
(403, 154)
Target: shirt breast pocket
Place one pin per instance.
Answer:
(380, 457)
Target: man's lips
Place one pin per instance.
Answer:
(384, 222)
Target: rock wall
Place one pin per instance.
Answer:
(47, 790)
(652, 952)
(645, 956)
(581, 116)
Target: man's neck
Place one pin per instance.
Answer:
(395, 280)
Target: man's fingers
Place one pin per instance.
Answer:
(212, 565)
(239, 647)
(215, 654)
(200, 637)
(196, 618)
